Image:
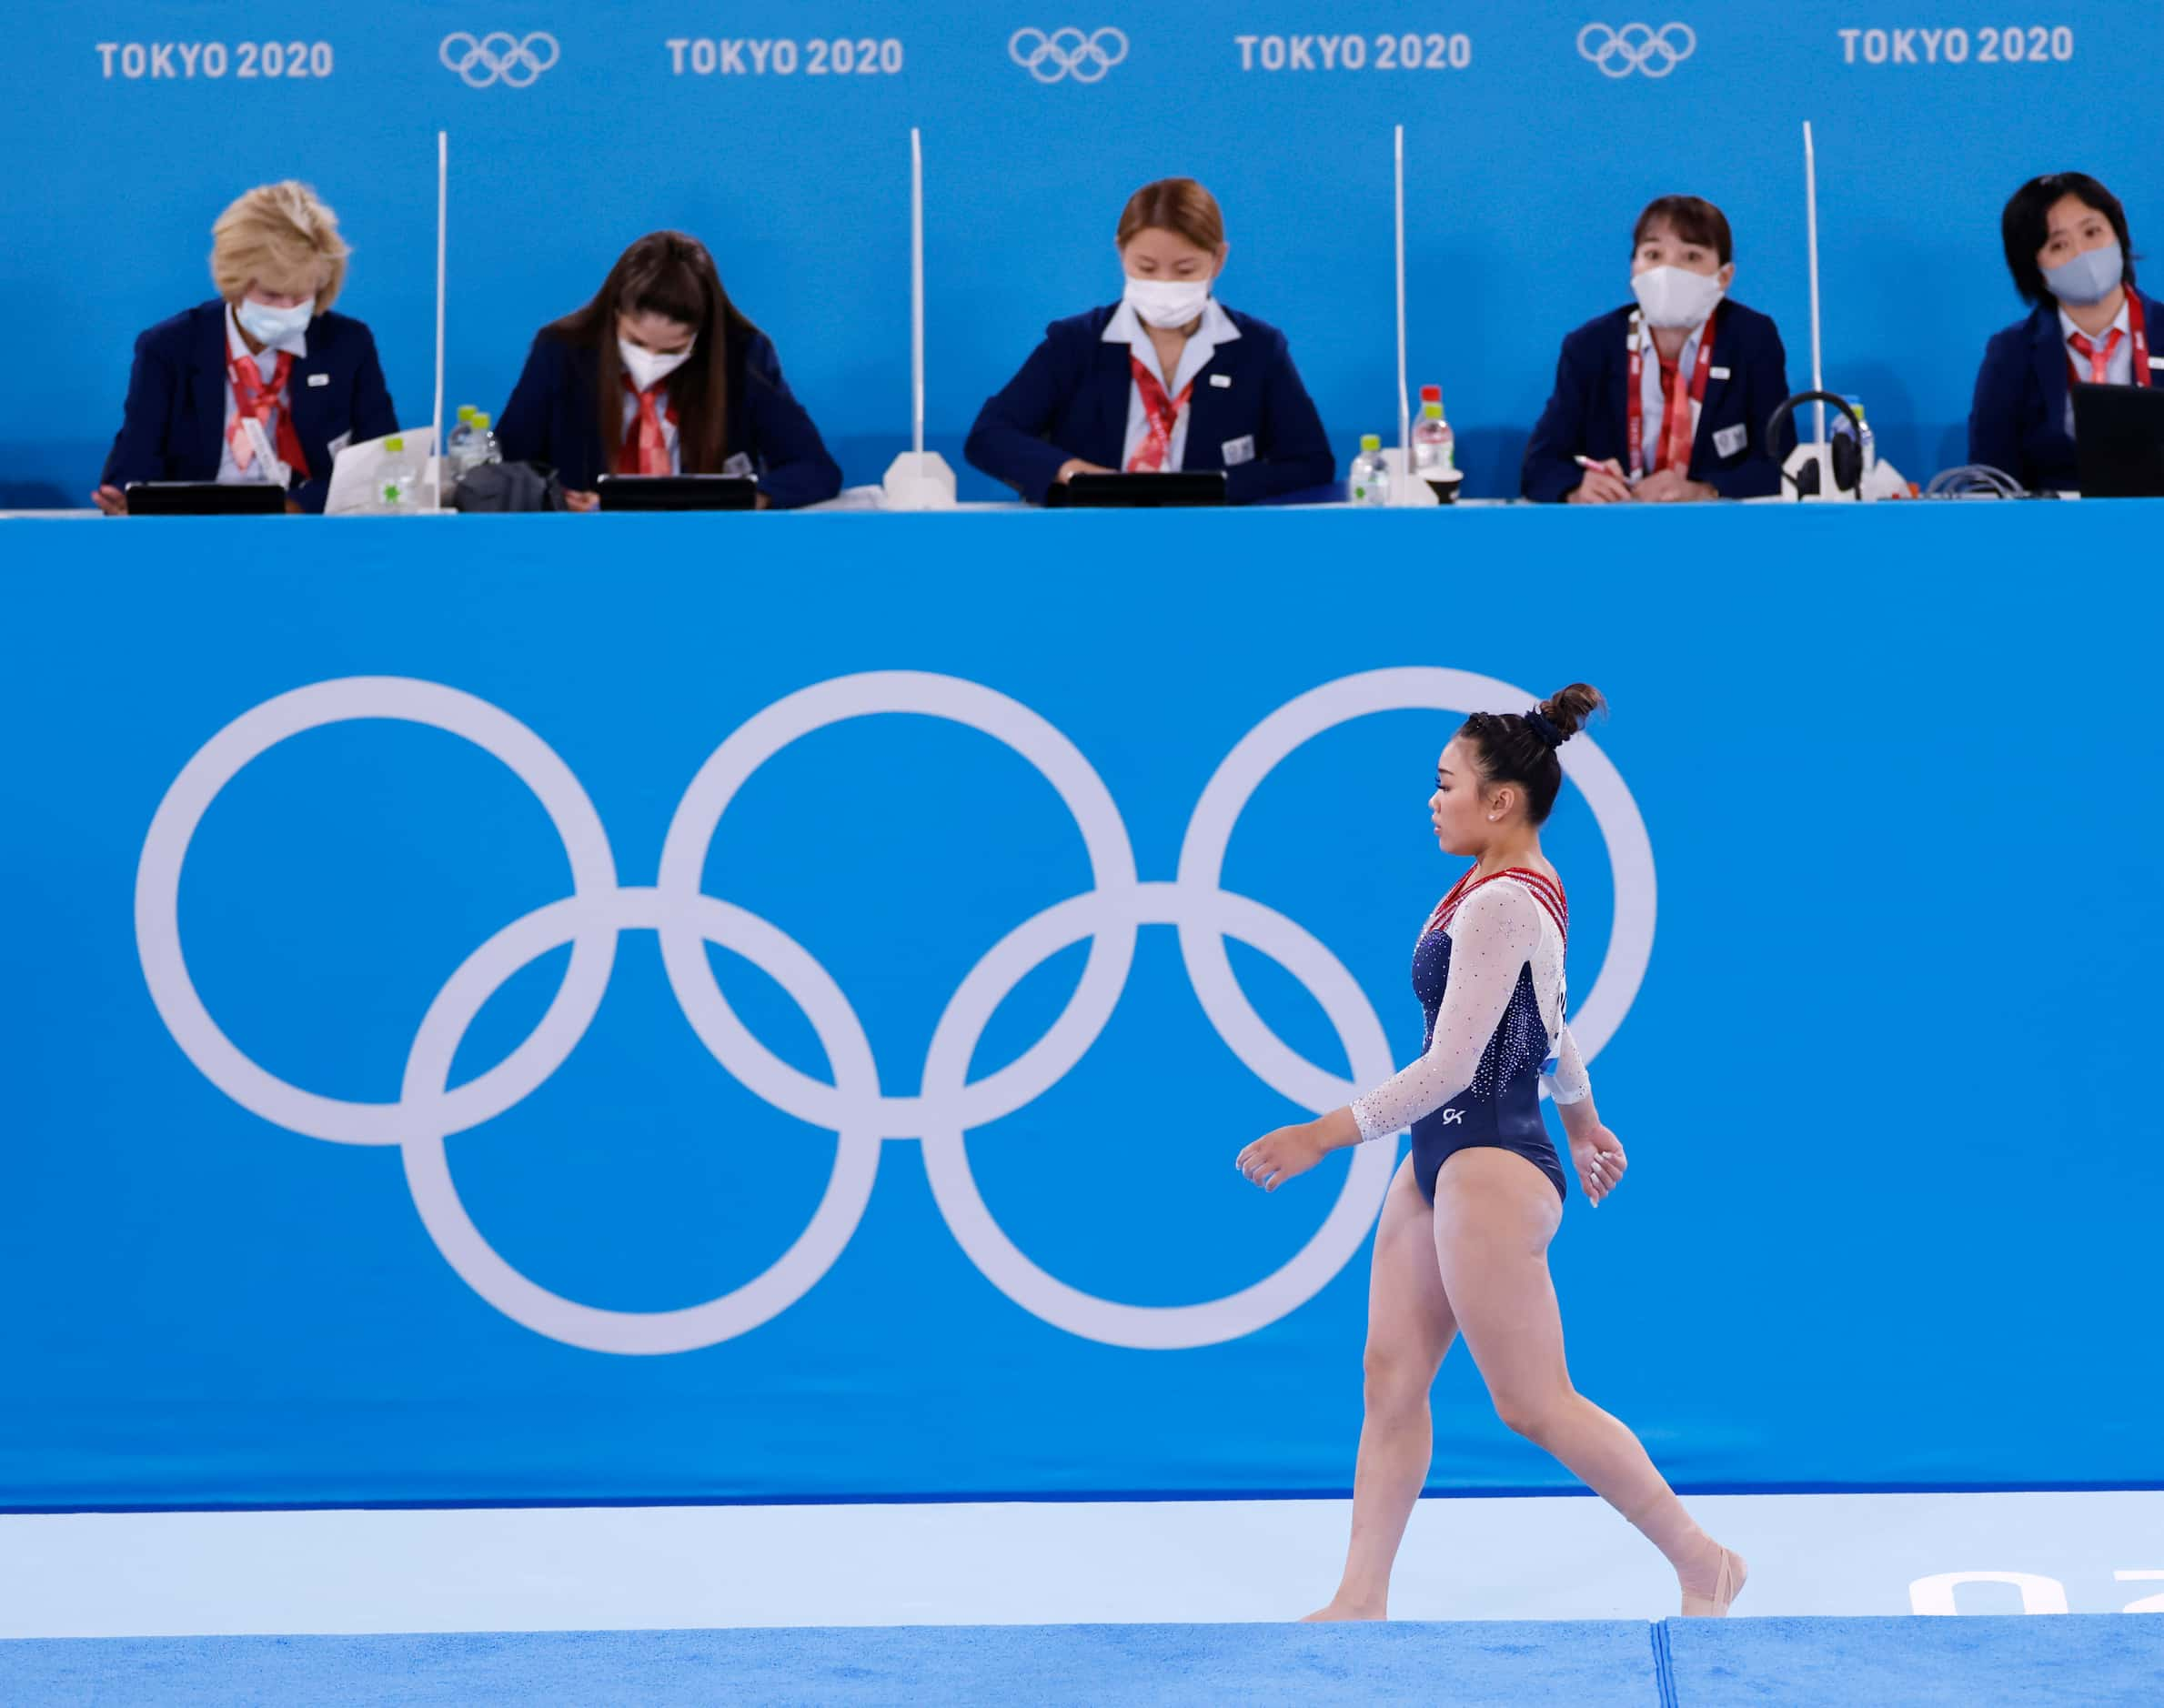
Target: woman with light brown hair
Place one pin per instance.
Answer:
(263, 383)
(1165, 380)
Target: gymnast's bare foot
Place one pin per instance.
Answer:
(1341, 1609)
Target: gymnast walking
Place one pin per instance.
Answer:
(1464, 1236)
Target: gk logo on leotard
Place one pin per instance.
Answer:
(947, 1103)
(1451, 1117)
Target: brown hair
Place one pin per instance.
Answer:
(1174, 205)
(1691, 217)
(278, 235)
(1509, 747)
(667, 274)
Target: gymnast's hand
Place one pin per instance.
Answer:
(1276, 1157)
(1598, 1154)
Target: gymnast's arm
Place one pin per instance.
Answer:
(1572, 1091)
(1495, 932)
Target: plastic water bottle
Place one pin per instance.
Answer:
(484, 448)
(1371, 476)
(1434, 446)
(397, 481)
(458, 446)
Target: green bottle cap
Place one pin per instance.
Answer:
(465, 412)
(1371, 441)
(481, 418)
(1432, 411)
(394, 445)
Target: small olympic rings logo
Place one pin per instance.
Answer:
(1637, 47)
(1067, 53)
(498, 57)
(946, 1103)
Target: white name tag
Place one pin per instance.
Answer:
(1239, 450)
(319, 379)
(1223, 382)
(1727, 441)
(1716, 373)
(2156, 361)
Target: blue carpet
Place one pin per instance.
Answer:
(1506, 1664)
(2096, 1661)
(2010, 1661)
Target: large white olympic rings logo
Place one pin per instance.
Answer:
(1067, 53)
(1637, 47)
(498, 57)
(947, 1103)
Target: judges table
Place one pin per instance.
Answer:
(857, 946)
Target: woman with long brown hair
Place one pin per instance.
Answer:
(1165, 380)
(662, 374)
(1462, 1243)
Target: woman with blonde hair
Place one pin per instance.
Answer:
(263, 383)
(1165, 380)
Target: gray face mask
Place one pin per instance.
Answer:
(2088, 277)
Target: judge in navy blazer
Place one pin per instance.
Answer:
(1165, 380)
(662, 374)
(1682, 263)
(2068, 247)
(312, 376)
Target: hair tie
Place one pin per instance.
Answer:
(1538, 721)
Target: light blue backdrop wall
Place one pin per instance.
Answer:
(1886, 1082)
(1527, 165)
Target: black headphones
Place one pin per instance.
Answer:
(1847, 449)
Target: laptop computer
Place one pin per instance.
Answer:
(677, 492)
(203, 498)
(2119, 441)
(1123, 491)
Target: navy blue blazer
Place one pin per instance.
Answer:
(1588, 415)
(1071, 400)
(173, 427)
(2017, 421)
(550, 418)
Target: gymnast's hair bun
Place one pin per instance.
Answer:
(1570, 708)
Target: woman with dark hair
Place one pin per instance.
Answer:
(1665, 400)
(661, 374)
(1164, 380)
(2068, 248)
(1464, 1236)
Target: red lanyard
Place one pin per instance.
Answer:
(2138, 326)
(1677, 426)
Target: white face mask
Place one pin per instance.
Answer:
(646, 368)
(1167, 302)
(272, 327)
(1674, 296)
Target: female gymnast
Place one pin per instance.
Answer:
(1464, 1236)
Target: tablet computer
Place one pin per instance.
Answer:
(203, 498)
(1115, 492)
(2119, 441)
(677, 492)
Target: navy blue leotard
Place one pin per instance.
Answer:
(1488, 971)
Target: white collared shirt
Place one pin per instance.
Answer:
(1126, 328)
(230, 473)
(1652, 400)
(2119, 367)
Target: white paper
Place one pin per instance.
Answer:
(353, 474)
